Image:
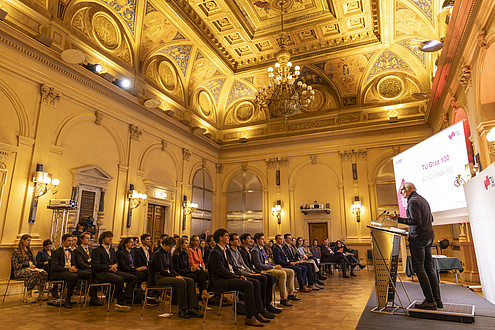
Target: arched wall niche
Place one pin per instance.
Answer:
(317, 182)
(487, 86)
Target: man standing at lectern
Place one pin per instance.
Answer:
(421, 237)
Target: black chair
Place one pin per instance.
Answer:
(233, 292)
(150, 285)
(50, 282)
(15, 280)
(107, 286)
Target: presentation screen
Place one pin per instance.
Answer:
(432, 166)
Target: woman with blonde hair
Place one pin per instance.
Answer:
(24, 266)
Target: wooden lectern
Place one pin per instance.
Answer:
(386, 246)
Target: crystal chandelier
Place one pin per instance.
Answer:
(282, 96)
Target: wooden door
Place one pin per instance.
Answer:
(156, 221)
(318, 231)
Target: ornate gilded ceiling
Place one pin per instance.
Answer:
(207, 58)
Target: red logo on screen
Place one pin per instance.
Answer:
(454, 134)
(488, 182)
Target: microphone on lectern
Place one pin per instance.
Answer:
(379, 224)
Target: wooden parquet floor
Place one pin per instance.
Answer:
(338, 306)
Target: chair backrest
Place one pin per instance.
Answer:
(12, 277)
(151, 274)
(50, 274)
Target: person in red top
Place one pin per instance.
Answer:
(195, 254)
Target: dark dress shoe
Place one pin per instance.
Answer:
(95, 302)
(439, 304)
(252, 321)
(320, 282)
(183, 314)
(262, 319)
(267, 315)
(426, 305)
(346, 276)
(274, 310)
(352, 274)
(362, 266)
(193, 313)
(294, 298)
(286, 303)
(323, 277)
(67, 303)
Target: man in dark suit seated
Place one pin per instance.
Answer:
(125, 258)
(327, 255)
(159, 243)
(63, 267)
(105, 265)
(82, 255)
(311, 271)
(165, 275)
(223, 278)
(265, 280)
(144, 254)
(210, 244)
(282, 259)
(261, 262)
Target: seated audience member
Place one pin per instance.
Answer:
(24, 266)
(126, 256)
(105, 266)
(144, 254)
(180, 261)
(73, 245)
(202, 246)
(282, 259)
(136, 242)
(63, 267)
(44, 255)
(159, 243)
(290, 250)
(340, 248)
(265, 281)
(269, 251)
(82, 255)
(316, 251)
(166, 275)
(210, 244)
(327, 255)
(79, 230)
(223, 279)
(305, 253)
(285, 276)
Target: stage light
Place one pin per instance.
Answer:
(122, 83)
(95, 68)
(430, 46)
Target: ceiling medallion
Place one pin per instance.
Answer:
(167, 75)
(244, 111)
(204, 102)
(390, 87)
(282, 97)
(106, 31)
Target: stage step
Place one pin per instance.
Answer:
(449, 312)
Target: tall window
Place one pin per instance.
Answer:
(245, 204)
(202, 195)
(386, 192)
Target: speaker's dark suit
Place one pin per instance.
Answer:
(101, 262)
(222, 279)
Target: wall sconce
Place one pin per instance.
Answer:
(357, 208)
(188, 206)
(470, 172)
(277, 211)
(42, 183)
(491, 138)
(135, 199)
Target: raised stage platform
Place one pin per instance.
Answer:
(453, 295)
(449, 312)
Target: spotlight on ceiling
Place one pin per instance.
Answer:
(430, 46)
(122, 83)
(447, 4)
(96, 68)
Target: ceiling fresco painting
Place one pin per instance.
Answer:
(210, 57)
